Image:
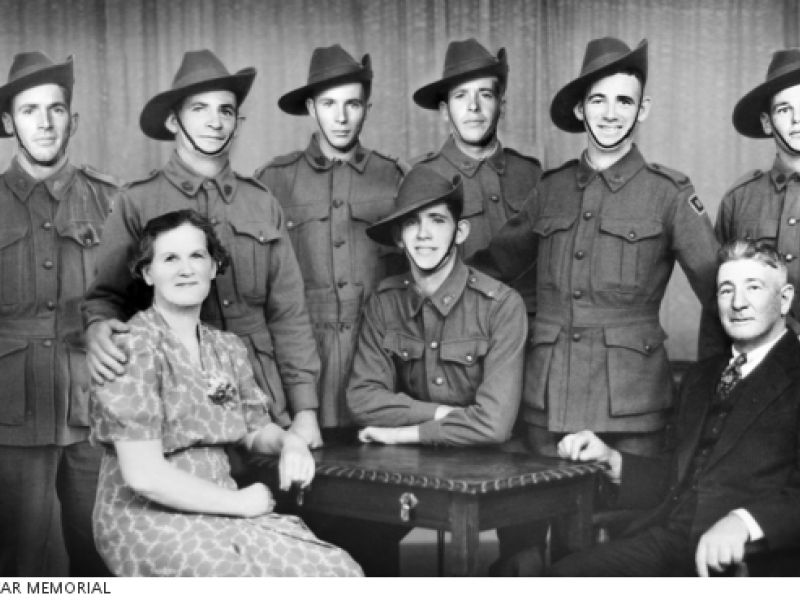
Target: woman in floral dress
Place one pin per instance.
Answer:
(166, 502)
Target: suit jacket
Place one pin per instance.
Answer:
(755, 463)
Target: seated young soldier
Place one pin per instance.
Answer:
(730, 473)
(439, 357)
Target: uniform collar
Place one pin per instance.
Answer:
(615, 176)
(58, 184)
(320, 162)
(445, 298)
(781, 175)
(188, 182)
(467, 165)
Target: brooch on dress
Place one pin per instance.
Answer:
(221, 391)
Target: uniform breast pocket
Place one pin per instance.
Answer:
(14, 275)
(309, 230)
(367, 257)
(407, 353)
(462, 361)
(626, 253)
(12, 373)
(761, 230)
(554, 254)
(79, 254)
(250, 257)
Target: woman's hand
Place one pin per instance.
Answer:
(296, 463)
(256, 500)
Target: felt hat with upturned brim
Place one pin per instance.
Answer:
(604, 56)
(783, 72)
(463, 60)
(200, 71)
(29, 69)
(329, 66)
(421, 187)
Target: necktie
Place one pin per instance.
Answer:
(731, 375)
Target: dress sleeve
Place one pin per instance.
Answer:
(130, 407)
(255, 403)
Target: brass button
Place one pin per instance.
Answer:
(647, 347)
(447, 299)
(404, 353)
(208, 184)
(261, 238)
(792, 221)
(47, 343)
(494, 198)
(48, 264)
(576, 337)
(580, 254)
(214, 221)
(47, 225)
(469, 357)
(226, 303)
(439, 380)
(51, 305)
(577, 294)
(588, 215)
(631, 235)
(434, 345)
(88, 241)
(289, 224)
(789, 257)
(473, 279)
(337, 202)
(405, 282)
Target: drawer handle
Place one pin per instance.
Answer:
(408, 502)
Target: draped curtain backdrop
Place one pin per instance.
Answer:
(704, 55)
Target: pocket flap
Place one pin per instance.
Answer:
(644, 338)
(261, 231)
(373, 210)
(760, 229)
(465, 352)
(9, 346)
(403, 346)
(300, 214)
(9, 235)
(86, 233)
(545, 226)
(262, 342)
(545, 333)
(631, 231)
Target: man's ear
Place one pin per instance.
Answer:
(311, 108)
(462, 231)
(644, 108)
(787, 295)
(8, 123)
(578, 111)
(444, 112)
(398, 239)
(766, 124)
(73, 124)
(171, 123)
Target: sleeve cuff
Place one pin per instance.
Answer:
(302, 396)
(756, 533)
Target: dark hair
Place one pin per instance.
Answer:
(762, 252)
(143, 254)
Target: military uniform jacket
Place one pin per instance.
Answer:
(461, 347)
(765, 207)
(260, 295)
(51, 235)
(328, 206)
(608, 242)
(495, 190)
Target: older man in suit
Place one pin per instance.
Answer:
(731, 470)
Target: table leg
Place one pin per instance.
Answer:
(464, 525)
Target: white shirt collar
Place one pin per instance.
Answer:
(754, 357)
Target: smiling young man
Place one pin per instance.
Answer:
(609, 228)
(261, 297)
(51, 235)
(471, 98)
(729, 473)
(765, 205)
(330, 193)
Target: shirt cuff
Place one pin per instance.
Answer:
(302, 396)
(756, 533)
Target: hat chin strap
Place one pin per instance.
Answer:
(440, 264)
(62, 151)
(786, 146)
(621, 140)
(198, 148)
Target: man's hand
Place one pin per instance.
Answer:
(296, 463)
(106, 360)
(722, 545)
(390, 435)
(586, 446)
(305, 425)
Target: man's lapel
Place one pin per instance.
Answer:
(697, 399)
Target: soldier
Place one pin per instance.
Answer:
(765, 205)
(470, 98)
(330, 192)
(261, 297)
(439, 358)
(51, 236)
(609, 227)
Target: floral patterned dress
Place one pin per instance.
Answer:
(163, 395)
